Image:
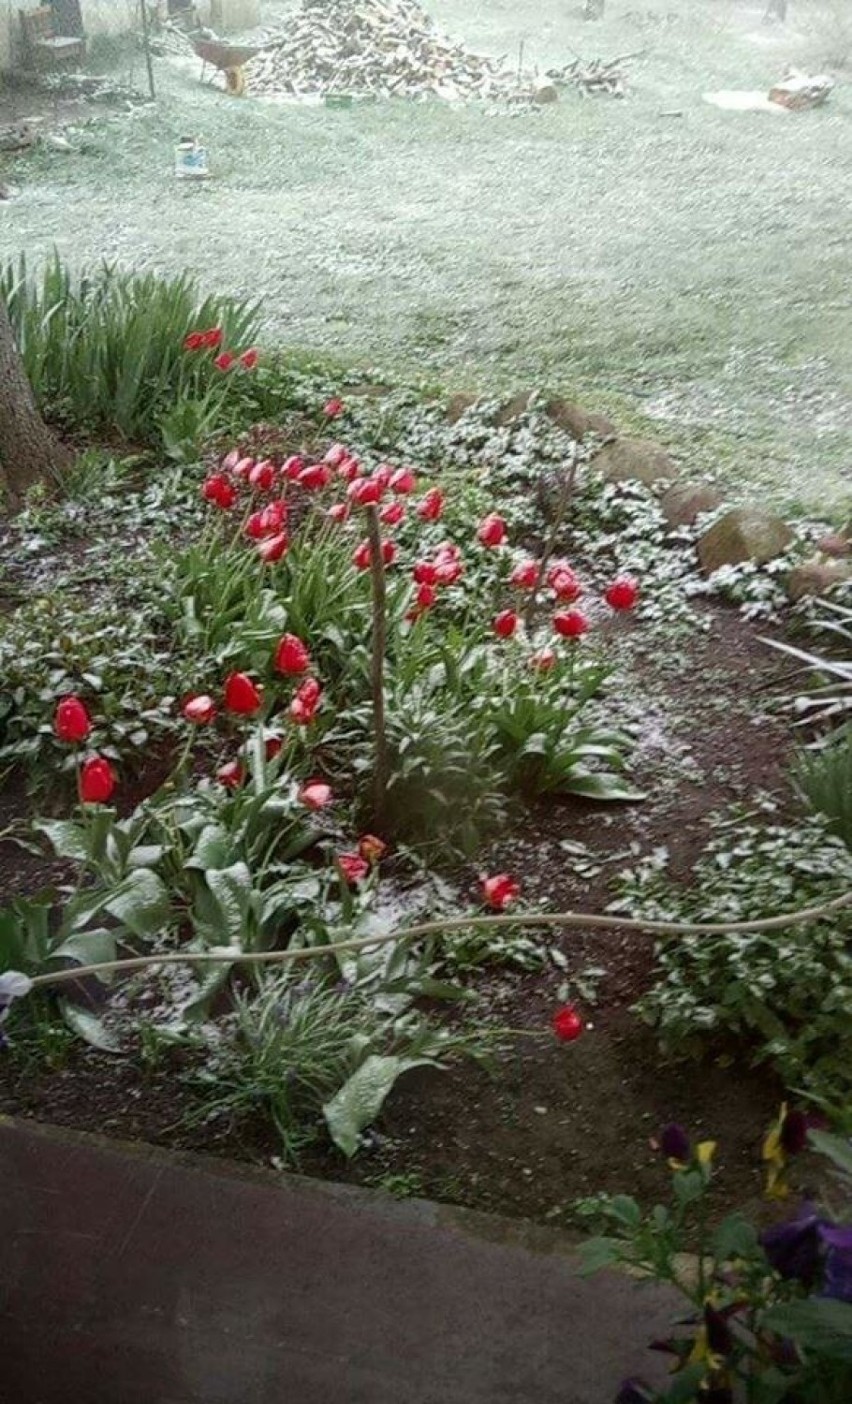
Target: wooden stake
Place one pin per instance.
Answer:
(379, 645)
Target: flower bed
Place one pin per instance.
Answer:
(364, 671)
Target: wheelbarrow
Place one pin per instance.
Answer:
(227, 59)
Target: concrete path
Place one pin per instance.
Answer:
(138, 1277)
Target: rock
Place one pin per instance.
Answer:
(514, 408)
(836, 543)
(816, 577)
(578, 422)
(635, 460)
(370, 390)
(547, 93)
(458, 405)
(743, 534)
(683, 502)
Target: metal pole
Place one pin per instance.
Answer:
(146, 43)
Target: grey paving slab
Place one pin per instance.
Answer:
(134, 1277)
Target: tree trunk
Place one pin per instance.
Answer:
(29, 452)
(776, 10)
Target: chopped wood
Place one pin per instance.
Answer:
(594, 76)
(371, 48)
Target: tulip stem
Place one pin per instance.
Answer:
(565, 495)
(379, 644)
(439, 927)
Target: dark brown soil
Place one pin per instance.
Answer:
(553, 1122)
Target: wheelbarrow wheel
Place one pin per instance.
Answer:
(235, 81)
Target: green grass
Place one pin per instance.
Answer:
(689, 274)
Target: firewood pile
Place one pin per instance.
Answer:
(594, 77)
(371, 48)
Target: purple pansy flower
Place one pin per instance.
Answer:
(838, 1261)
(793, 1248)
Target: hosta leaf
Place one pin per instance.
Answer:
(87, 947)
(360, 1099)
(232, 891)
(602, 787)
(141, 903)
(68, 840)
(89, 1027)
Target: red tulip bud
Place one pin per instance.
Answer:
(242, 695)
(97, 780)
(71, 722)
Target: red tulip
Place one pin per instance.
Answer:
(505, 623)
(449, 572)
(249, 359)
(194, 341)
(431, 505)
(492, 530)
(255, 526)
(449, 566)
(500, 891)
(309, 691)
(291, 656)
(622, 594)
(224, 361)
(392, 514)
(362, 555)
(213, 338)
(333, 408)
(315, 795)
(365, 492)
(339, 512)
(231, 775)
(200, 709)
(544, 660)
(425, 597)
(243, 467)
(570, 623)
(220, 490)
(567, 1024)
(262, 475)
(336, 455)
(317, 475)
(564, 582)
(525, 575)
(402, 481)
(273, 548)
(292, 467)
(272, 747)
(274, 515)
(242, 695)
(371, 849)
(304, 705)
(71, 721)
(349, 470)
(353, 867)
(425, 573)
(97, 780)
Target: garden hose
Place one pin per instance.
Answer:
(438, 928)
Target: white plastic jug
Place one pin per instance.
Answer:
(190, 159)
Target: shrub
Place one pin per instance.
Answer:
(106, 348)
(785, 995)
(824, 778)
